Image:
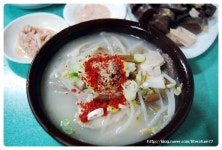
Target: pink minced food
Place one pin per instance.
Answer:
(91, 12)
(31, 39)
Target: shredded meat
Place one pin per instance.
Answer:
(31, 39)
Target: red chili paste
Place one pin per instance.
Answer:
(104, 74)
(100, 103)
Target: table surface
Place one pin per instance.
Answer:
(22, 129)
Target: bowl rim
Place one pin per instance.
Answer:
(113, 25)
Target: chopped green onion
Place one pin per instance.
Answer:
(146, 91)
(129, 67)
(178, 89)
(139, 77)
(66, 126)
(112, 109)
(73, 74)
(170, 85)
(130, 89)
(139, 57)
(146, 131)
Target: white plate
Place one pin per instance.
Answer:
(12, 30)
(204, 39)
(116, 10)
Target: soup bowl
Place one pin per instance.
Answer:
(36, 77)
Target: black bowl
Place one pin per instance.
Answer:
(116, 26)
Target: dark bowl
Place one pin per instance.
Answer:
(116, 26)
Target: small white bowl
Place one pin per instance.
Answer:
(39, 20)
(118, 11)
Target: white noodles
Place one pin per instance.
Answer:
(138, 112)
(113, 43)
(132, 48)
(118, 42)
(161, 99)
(171, 102)
(169, 78)
(129, 121)
(143, 106)
(108, 43)
(156, 117)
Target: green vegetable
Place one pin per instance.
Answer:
(139, 57)
(73, 74)
(140, 118)
(178, 89)
(146, 91)
(129, 67)
(130, 89)
(148, 131)
(139, 78)
(67, 126)
(112, 109)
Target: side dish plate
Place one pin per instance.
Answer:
(40, 20)
(116, 11)
(204, 39)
